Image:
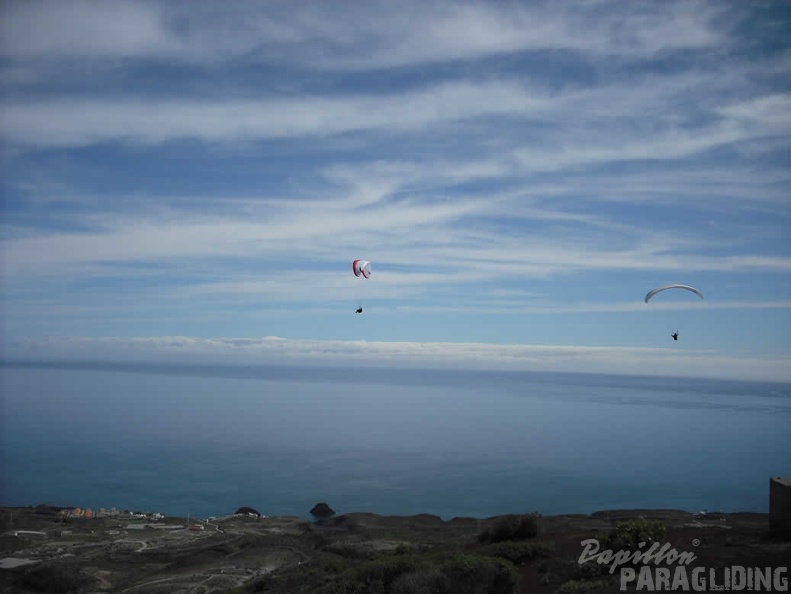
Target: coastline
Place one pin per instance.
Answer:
(244, 553)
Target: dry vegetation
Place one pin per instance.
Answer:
(355, 553)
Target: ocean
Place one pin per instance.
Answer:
(203, 441)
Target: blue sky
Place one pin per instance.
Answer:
(179, 176)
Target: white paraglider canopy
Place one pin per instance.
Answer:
(653, 292)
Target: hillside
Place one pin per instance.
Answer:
(41, 551)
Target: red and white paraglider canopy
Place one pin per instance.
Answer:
(362, 268)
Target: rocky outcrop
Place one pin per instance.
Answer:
(247, 511)
(322, 510)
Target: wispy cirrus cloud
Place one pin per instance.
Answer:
(65, 123)
(379, 35)
(188, 162)
(317, 233)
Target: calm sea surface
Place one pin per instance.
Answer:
(205, 441)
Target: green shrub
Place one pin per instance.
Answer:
(516, 552)
(350, 551)
(387, 569)
(343, 587)
(372, 577)
(512, 527)
(53, 579)
(437, 573)
(471, 574)
(422, 581)
(585, 586)
(628, 535)
(335, 566)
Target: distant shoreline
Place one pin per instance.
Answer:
(152, 516)
(295, 370)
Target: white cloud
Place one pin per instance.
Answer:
(445, 237)
(349, 35)
(272, 350)
(460, 146)
(769, 112)
(520, 305)
(424, 32)
(62, 123)
(71, 122)
(83, 28)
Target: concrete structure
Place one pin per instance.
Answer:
(780, 505)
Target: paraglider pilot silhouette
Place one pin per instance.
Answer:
(675, 335)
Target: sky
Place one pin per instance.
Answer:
(191, 180)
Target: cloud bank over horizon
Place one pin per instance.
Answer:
(274, 350)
